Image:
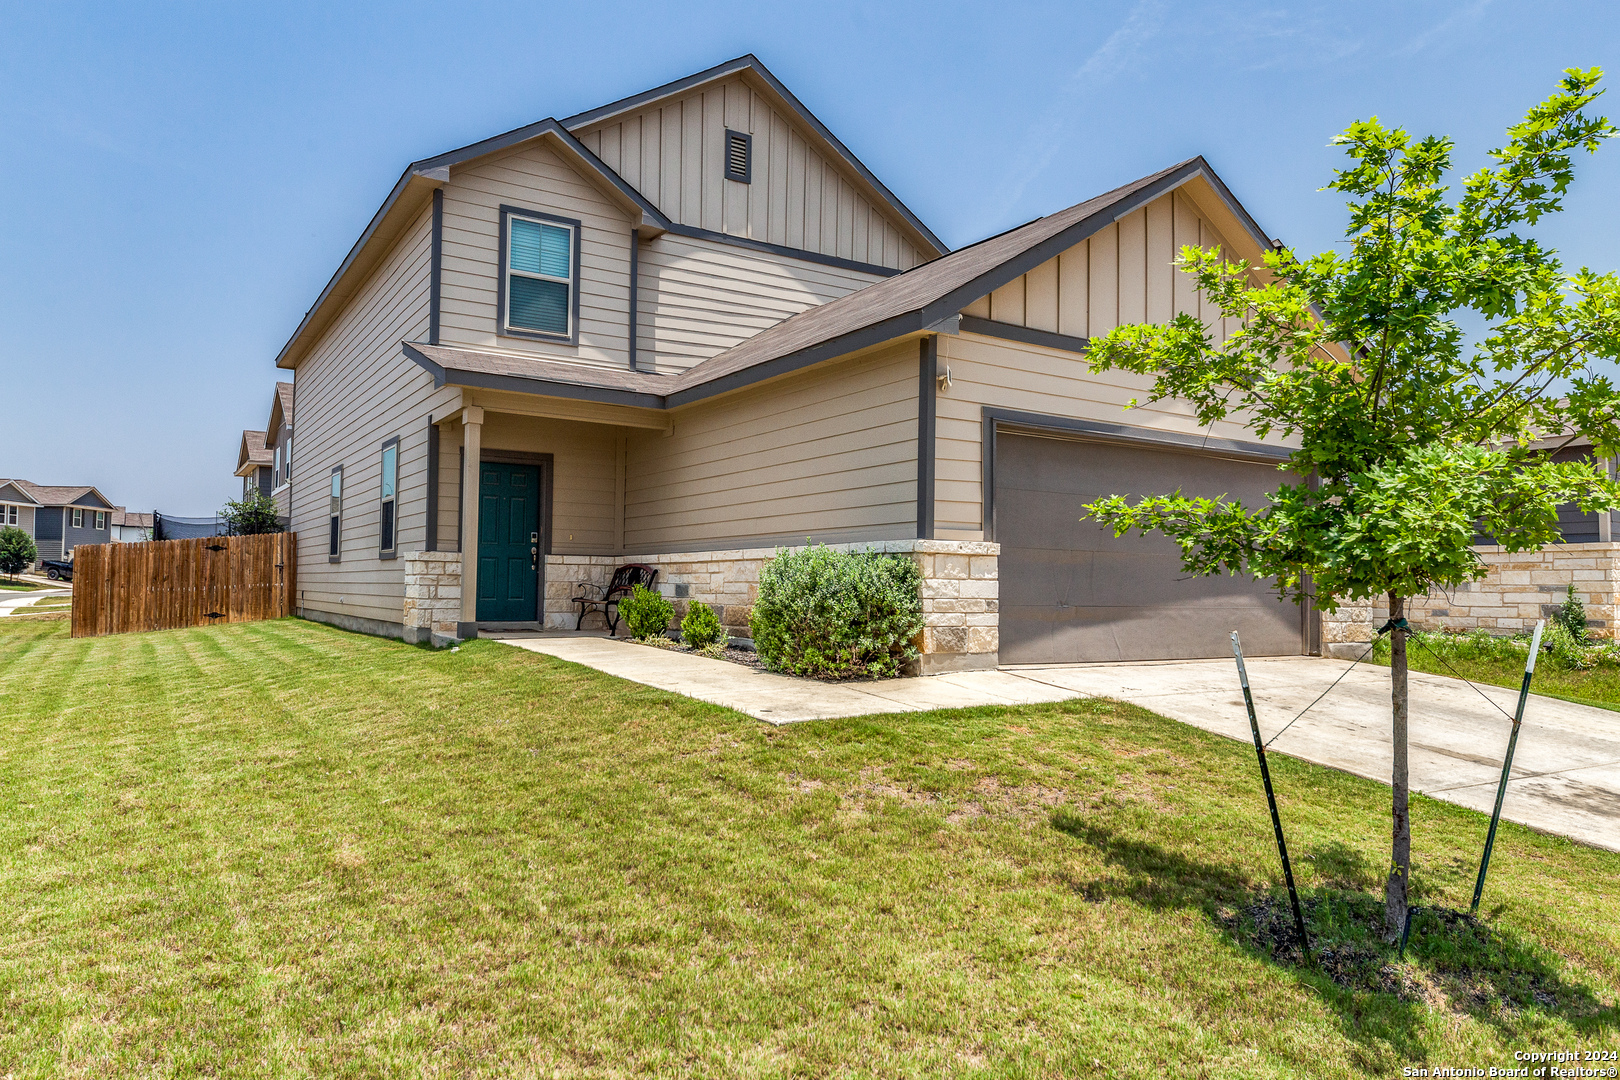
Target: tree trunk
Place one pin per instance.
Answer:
(1400, 862)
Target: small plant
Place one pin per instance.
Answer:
(17, 551)
(646, 613)
(701, 628)
(1572, 615)
(254, 514)
(835, 614)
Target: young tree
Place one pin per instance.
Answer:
(254, 514)
(17, 551)
(1410, 437)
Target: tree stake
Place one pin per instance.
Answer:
(1507, 764)
(1271, 799)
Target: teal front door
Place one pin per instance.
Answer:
(508, 542)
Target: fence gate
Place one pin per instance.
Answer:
(163, 584)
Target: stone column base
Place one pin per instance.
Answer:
(433, 599)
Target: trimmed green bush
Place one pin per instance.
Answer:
(1572, 616)
(701, 627)
(17, 551)
(646, 613)
(836, 614)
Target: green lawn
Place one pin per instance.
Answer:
(280, 849)
(1598, 686)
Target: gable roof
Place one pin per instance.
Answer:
(62, 495)
(281, 409)
(252, 453)
(417, 183)
(757, 75)
(17, 492)
(922, 298)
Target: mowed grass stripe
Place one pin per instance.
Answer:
(278, 848)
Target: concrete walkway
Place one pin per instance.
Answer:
(1566, 771)
(11, 602)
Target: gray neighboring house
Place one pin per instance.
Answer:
(278, 443)
(253, 464)
(61, 518)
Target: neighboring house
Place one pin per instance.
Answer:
(690, 326)
(278, 440)
(128, 528)
(254, 464)
(61, 517)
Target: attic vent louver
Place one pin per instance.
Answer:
(739, 156)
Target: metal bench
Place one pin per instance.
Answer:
(592, 597)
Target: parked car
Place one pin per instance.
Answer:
(58, 569)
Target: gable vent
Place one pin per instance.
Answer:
(739, 156)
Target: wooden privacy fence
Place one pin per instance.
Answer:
(163, 584)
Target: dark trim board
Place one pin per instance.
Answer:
(431, 541)
(435, 261)
(927, 423)
(1014, 422)
(547, 472)
(635, 286)
(972, 324)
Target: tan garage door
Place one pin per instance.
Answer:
(1073, 593)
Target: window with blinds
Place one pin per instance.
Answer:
(541, 268)
(385, 515)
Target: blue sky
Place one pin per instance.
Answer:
(181, 180)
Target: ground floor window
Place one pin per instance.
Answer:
(385, 511)
(335, 515)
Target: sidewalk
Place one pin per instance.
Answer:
(10, 602)
(1566, 773)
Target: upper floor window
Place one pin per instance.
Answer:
(539, 295)
(78, 518)
(101, 519)
(8, 515)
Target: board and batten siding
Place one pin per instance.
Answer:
(533, 178)
(584, 499)
(699, 297)
(355, 390)
(829, 454)
(1121, 274)
(674, 154)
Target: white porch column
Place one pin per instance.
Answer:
(472, 438)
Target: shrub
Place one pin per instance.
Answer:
(255, 514)
(17, 551)
(1572, 616)
(646, 613)
(701, 627)
(833, 614)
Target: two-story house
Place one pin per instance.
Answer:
(253, 464)
(264, 458)
(58, 518)
(690, 325)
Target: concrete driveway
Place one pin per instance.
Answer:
(1566, 771)
(11, 603)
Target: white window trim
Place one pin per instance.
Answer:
(101, 520)
(76, 519)
(392, 551)
(334, 512)
(505, 328)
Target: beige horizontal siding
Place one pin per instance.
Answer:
(699, 298)
(1032, 379)
(674, 154)
(355, 390)
(829, 454)
(533, 178)
(1122, 274)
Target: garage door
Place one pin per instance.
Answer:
(1073, 593)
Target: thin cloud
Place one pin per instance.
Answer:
(1463, 16)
